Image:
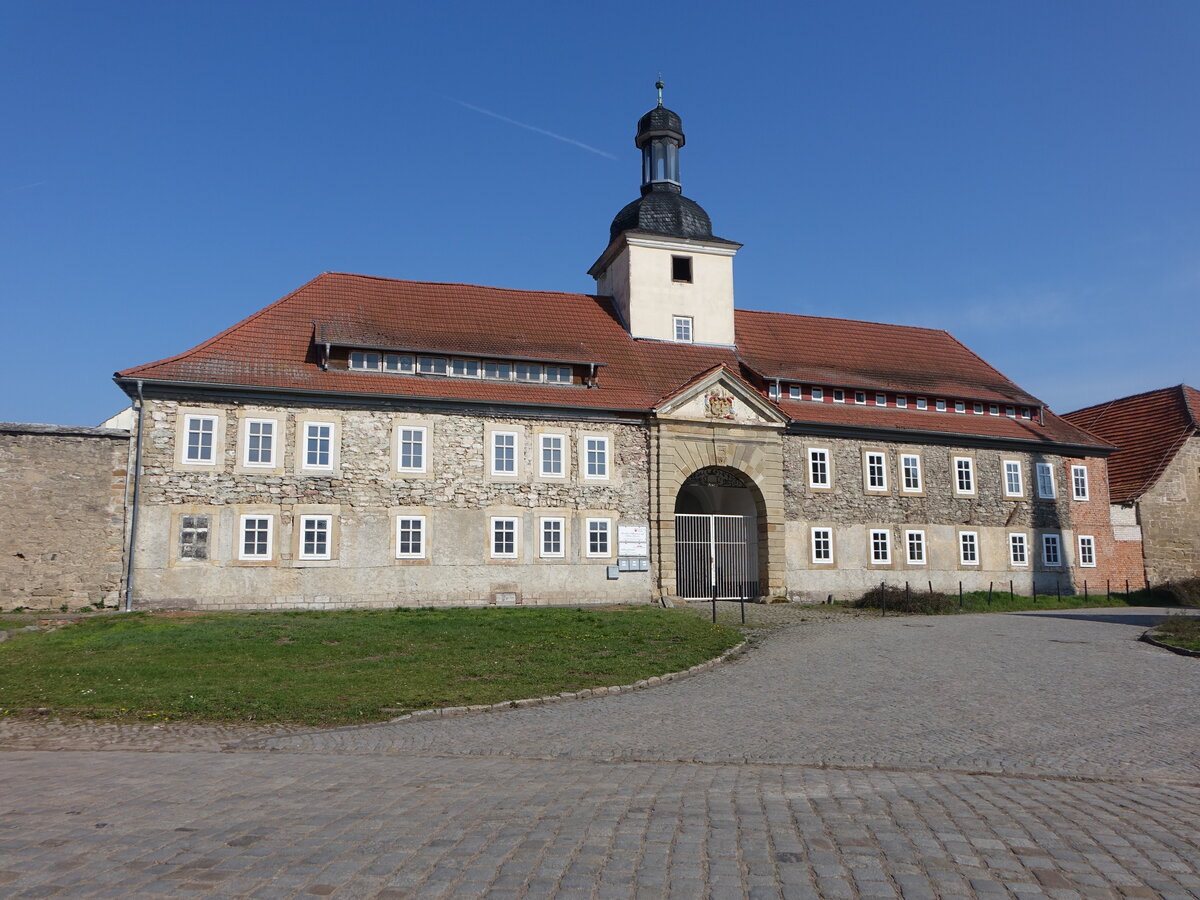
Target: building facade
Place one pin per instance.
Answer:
(373, 442)
(1155, 484)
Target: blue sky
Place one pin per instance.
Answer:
(1021, 174)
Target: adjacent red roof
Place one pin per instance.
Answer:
(1148, 430)
(278, 346)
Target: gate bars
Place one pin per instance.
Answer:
(716, 556)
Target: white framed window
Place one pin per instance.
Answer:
(818, 393)
(552, 455)
(499, 371)
(200, 435)
(1026, 413)
(505, 534)
(683, 329)
(1014, 480)
(794, 392)
(260, 443)
(1051, 550)
(504, 453)
(316, 537)
(396, 363)
(1047, 490)
(977, 408)
(881, 547)
(910, 469)
(465, 368)
(993, 409)
(822, 546)
(528, 372)
(1010, 411)
(773, 390)
(256, 537)
(599, 537)
(914, 542)
(881, 399)
(818, 467)
(194, 534)
(968, 548)
(1079, 482)
(901, 401)
(431, 365)
(876, 466)
(1087, 551)
(360, 359)
(410, 537)
(410, 448)
(558, 374)
(553, 529)
(318, 445)
(960, 406)
(922, 403)
(595, 458)
(1018, 549)
(964, 475)
(941, 405)
(839, 396)
(860, 397)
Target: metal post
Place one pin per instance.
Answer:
(1011, 595)
(883, 599)
(1085, 590)
(1126, 588)
(1107, 588)
(742, 598)
(714, 599)
(907, 594)
(1058, 588)
(990, 593)
(960, 597)
(931, 589)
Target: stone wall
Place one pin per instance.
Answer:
(364, 494)
(852, 512)
(61, 515)
(1170, 517)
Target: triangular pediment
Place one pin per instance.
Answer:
(720, 397)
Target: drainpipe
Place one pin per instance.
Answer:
(137, 490)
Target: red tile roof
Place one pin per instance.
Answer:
(1148, 430)
(277, 348)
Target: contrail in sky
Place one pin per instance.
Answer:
(557, 137)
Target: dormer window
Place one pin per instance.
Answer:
(558, 374)
(431, 365)
(528, 372)
(363, 360)
(394, 363)
(501, 370)
(681, 269)
(464, 368)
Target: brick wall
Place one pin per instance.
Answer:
(61, 515)
(1116, 561)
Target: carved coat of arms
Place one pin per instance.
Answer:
(718, 405)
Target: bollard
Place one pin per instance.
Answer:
(931, 589)
(989, 593)
(714, 601)
(1058, 589)
(883, 600)
(960, 599)
(907, 595)
(1085, 591)
(1011, 595)
(1108, 588)
(1126, 588)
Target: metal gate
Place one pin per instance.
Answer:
(716, 551)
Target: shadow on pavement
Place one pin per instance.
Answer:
(1142, 618)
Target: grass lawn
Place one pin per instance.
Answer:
(332, 668)
(1179, 631)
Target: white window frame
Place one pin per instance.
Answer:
(555, 374)
(423, 432)
(1047, 489)
(304, 520)
(860, 398)
(1020, 538)
(881, 399)
(600, 445)
(814, 534)
(587, 537)
(1079, 482)
(256, 557)
(993, 409)
(422, 530)
(682, 328)
(825, 460)
(271, 457)
(185, 457)
(839, 395)
(493, 445)
(365, 356)
(516, 537)
(887, 547)
(817, 394)
(871, 459)
(919, 534)
(308, 436)
(904, 488)
(1089, 542)
(940, 405)
(970, 470)
(901, 401)
(960, 407)
(922, 403)
(962, 556)
(561, 524)
(464, 364)
(795, 392)
(977, 408)
(1005, 465)
(544, 442)
(1056, 541)
(1010, 411)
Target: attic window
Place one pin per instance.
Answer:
(681, 269)
(361, 360)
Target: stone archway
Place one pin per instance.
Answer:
(720, 527)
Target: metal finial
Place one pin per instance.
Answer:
(659, 84)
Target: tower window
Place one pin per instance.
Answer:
(683, 329)
(681, 269)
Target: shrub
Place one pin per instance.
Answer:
(896, 600)
(1185, 592)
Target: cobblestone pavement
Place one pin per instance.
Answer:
(839, 759)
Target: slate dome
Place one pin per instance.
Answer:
(663, 212)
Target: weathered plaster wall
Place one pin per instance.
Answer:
(61, 515)
(458, 494)
(1170, 517)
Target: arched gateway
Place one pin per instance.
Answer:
(719, 515)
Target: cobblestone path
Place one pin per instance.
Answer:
(975, 756)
